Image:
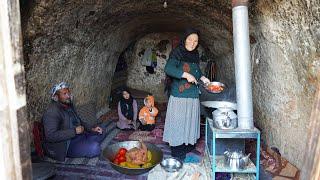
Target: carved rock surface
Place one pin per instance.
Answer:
(80, 42)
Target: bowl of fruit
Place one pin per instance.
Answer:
(214, 87)
(133, 157)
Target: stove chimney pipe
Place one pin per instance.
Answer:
(242, 63)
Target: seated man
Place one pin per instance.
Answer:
(66, 135)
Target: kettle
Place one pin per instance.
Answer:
(224, 118)
(236, 160)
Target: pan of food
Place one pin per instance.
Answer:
(213, 87)
(133, 157)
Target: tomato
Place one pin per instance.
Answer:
(122, 151)
(118, 155)
(122, 159)
(116, 161)
(215, 88)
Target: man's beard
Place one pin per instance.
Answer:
(67, 101)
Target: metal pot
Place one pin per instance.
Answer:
(225, 118)
(236, 160)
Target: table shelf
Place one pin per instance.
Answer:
(234, 133)
(220, 166)
(217, 160)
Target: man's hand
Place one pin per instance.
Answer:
(97, 129)
(79, 129)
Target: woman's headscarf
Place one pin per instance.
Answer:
(181, 53)
(126, 105)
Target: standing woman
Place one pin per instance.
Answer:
(182, 124)
(127, 111)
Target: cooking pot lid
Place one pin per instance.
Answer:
(221, 114)
(220, 104)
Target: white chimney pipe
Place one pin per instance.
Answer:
(242, 63)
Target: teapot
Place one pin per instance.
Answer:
(236, 160)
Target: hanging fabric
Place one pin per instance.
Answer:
(147, 57)
(175, 42)
(154, 59)
(211, 70)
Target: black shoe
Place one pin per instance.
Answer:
(178, 152)
(180, 156)
(189, 148)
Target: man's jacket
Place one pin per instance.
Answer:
(59, 128)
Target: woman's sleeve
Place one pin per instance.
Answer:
(135, 110)
(121, 116)
(172, 70)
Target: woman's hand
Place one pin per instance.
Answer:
(205, 80)
(190, 78)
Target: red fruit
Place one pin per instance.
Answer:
(122, 159)
(122, 151)
(118, 155)
(116, 161)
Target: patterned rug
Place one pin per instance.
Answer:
(103, 170)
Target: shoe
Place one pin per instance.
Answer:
(190, 148)
(179, 155)
(192, 158)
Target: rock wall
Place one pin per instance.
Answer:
(286, 64)
(139, 77)
(80, 41)
(225, 70)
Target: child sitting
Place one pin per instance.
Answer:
(147, 114)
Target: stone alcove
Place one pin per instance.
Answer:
(80, 42)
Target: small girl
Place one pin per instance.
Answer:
(147, 114)
(127, 111)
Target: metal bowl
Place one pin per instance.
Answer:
(171, 164)
(110, 152)
(215, 83)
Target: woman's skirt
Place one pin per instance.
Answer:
(182, 124)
